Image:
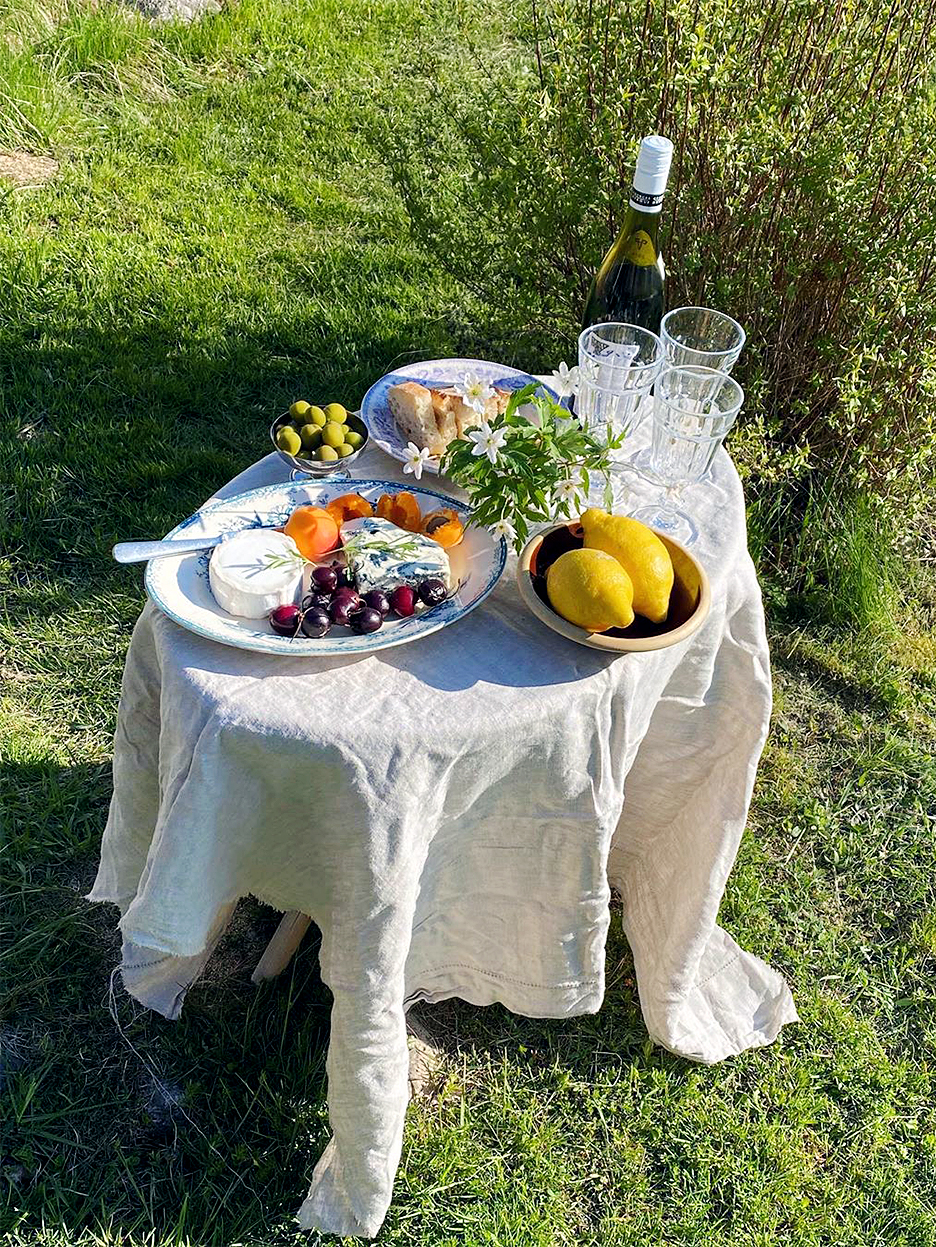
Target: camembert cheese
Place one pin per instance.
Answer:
(255, 570)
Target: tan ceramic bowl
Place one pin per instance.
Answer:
(689, 602)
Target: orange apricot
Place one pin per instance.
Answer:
(314, 531)
(349, 507)
(444, 526)
(401, 509)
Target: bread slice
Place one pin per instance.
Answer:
(466, 417)
(445, 405)
(433, 418)
(411, 406)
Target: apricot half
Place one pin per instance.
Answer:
(444, 526)
(314, 531)
(349, 507)
(401, 509)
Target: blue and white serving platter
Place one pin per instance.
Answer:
(178, 585)
(438, 373)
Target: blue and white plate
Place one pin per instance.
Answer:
(438, 373)
(179, 584)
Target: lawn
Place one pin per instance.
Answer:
(220, 238)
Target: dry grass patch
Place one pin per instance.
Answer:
(25, 169)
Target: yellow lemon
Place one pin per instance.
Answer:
(590, 589)
(642, 555)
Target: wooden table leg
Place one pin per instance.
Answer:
(286, 939)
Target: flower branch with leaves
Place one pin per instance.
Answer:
(519, 472)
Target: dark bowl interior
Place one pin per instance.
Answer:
(684, 599)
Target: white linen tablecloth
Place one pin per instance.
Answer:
(452, 814)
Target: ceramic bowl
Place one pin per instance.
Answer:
(312, 467)
(689, 604)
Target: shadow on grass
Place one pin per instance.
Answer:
(120, 1122)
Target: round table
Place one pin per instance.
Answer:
(452, 815)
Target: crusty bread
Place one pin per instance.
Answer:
(432, 418)
(411, 405)
(446, 406)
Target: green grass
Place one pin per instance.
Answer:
(220, 240)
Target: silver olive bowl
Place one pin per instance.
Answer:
(313, 467)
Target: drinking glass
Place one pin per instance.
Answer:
(701, 336)
(618, 364)
(693, 409)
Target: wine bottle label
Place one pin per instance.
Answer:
(644, 202)
(639, 249)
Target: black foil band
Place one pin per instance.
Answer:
(643, 200)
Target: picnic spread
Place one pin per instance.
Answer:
(473, 783)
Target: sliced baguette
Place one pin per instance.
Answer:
(411, 406)
(433, 418)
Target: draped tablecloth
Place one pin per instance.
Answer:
(452, 814)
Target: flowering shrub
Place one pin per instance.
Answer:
(800, 201)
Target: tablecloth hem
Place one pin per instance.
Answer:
(760, 1037)
(485, 987)
(326, 1207)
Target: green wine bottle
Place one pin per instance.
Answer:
(629, 285)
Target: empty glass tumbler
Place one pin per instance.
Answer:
(693, 410)
(701, 336)
(618, 364)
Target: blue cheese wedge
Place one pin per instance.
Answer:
(255, 570)
(381, 555)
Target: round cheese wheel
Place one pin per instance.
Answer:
(255, 570)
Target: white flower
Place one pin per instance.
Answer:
(416, 459)
(487, 441)
(473, 391)
(568, 491)
(503, 528)
(564, 380)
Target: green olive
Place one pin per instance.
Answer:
(299, 409)
(317, 416)
(326, 454)
(335, 411)
(288, 439)
(311, 436)
(354, 439)
(332, 435)
(344, 450)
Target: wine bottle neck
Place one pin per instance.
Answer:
(639, 219)
(649, 204)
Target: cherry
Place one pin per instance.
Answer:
(432, 591)
(403, 601)
(285, 620)
(366, 620)
(377, 600)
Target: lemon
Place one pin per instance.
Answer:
(311, 436)
(325, 454)
(590, 589)
(642, 555)
(299, 409)
(315, 415)
(336, 413)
